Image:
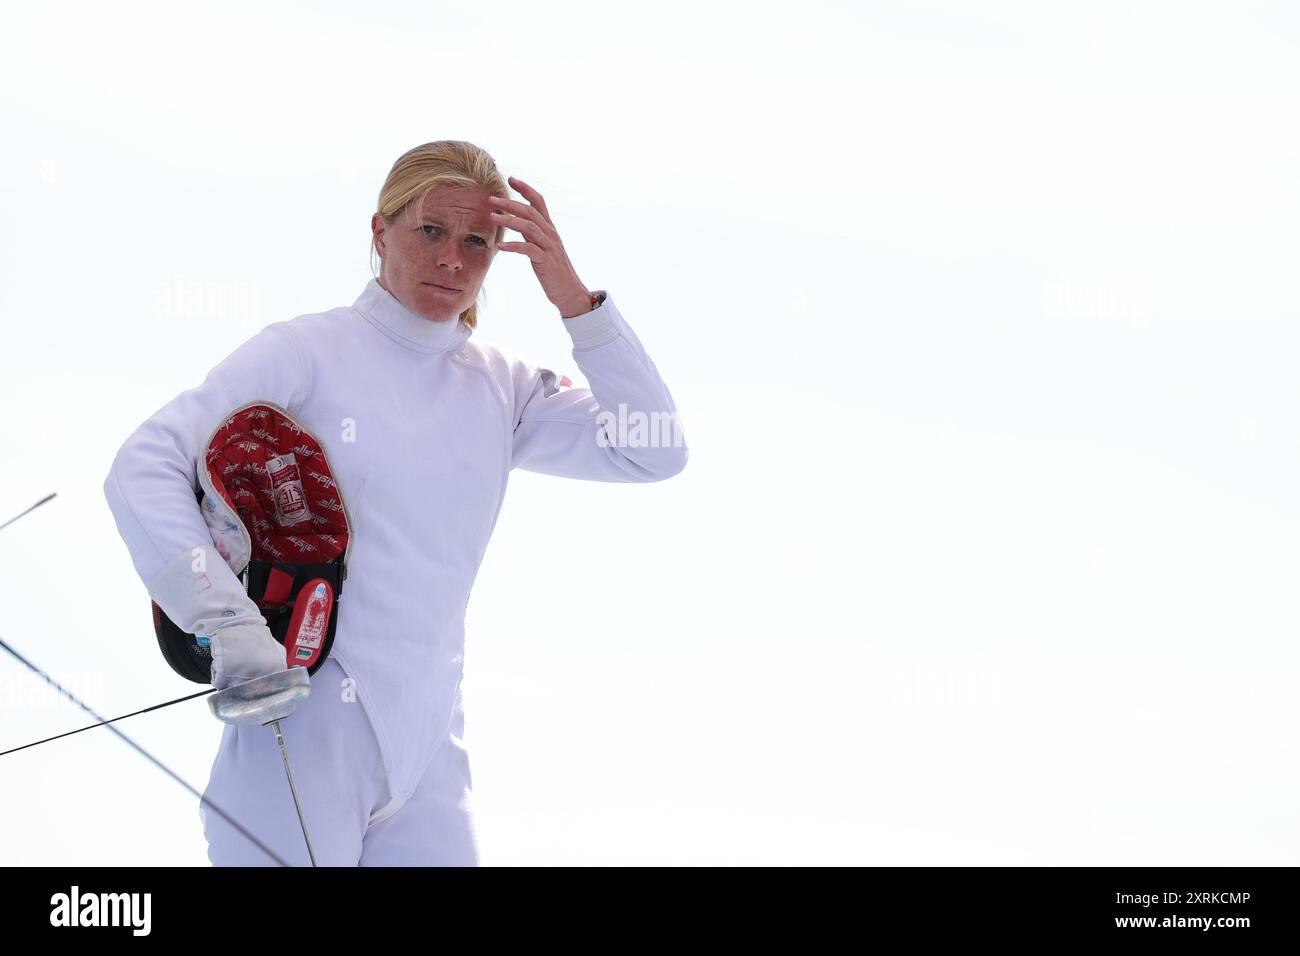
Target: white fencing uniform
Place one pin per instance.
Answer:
(339, 773)
(421, 427)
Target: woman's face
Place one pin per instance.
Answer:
(434, 259)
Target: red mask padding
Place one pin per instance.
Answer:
(276, 515)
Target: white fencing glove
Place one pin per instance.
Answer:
(201, 594)
(241, 652)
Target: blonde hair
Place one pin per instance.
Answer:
(447, 162)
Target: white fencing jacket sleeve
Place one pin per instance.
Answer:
(623, 427)
(152, 485)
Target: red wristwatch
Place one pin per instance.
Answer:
(597, 298)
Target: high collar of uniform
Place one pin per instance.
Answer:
(382, 310)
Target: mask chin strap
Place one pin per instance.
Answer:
(300, 605)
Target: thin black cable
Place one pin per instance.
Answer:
(32, 508)
(144, 753)
(69, 733)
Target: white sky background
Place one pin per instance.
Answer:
(982, 323)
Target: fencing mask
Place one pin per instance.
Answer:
(276, 516)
